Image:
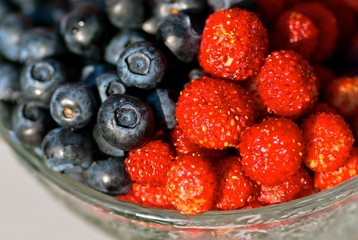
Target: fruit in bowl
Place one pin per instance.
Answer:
(210, 112)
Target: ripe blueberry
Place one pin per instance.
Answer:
(72, 105)
(109, 84)
(141, 65)
(39, 79)
(125, 121)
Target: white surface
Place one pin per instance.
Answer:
(27, 211)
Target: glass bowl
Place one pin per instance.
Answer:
(330, 214)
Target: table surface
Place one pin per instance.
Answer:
(28, 211)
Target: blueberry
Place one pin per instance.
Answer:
(163, 103)
(178, 35)
(109, 84)
(225, 4)
(9, 82)
(5, 8)
(141, 65)
(164, 8)
(91, 71)
(119, 42)
(125, 13)
(72, 105)
(81, 30)
(195, 74)
(66, 150)
(104, 146)
(39, 79)
(125, 121)
(6, 110)
(109, 176)
(48, 13)
(39, 43)
(12, 29)
(30, 123)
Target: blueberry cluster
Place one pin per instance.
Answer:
(86, 81)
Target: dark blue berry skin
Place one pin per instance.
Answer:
(72, 105)
(125, 13)
(177, 34)
(104, 146)
(217, 5)
(163, 103)
(81, 30)
(164, 8)
(91, 71)
(10, 89)
(12, 29)
(48, 13)
(125, 121)
(39, 79)
(109, 84)
(109, 176)
(39, 43)
(119, 42)
(6, 110)
(30, 123)
(195, 74)
(141, 65)
(66, 150)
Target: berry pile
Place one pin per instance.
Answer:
(187, 104)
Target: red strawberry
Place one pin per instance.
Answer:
(327, 26)
(295, 31)
(191, 184)
(234, 187)
(184, 145)
(308, 187)
(149, 164)
(342, 93)
(234, 44)
(328, 141)
(270, 10)
(271, 150)
(330, 179)
(151, 196)
(283, 192)
(287, 84)
(213, 112)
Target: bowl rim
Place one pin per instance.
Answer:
(297, 208)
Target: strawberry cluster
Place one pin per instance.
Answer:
(270, 120)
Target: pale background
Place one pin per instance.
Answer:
(27, 211)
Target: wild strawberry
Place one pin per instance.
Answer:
(151, 196)
(283, 192)
(342, 93)
(327, 26)
(184, 145)
(234, 187)
(295, 31)
(287, 84)
(270, 10)
(191, 185)
(324, 75)
(213, 112)
(323, 107)
(328, 141)
(330, 179)
(234, 44)
(271, 150)
(308, 187)
(148, 165)
(251, 85)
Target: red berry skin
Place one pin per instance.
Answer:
(330, 179)
(213, 112)
(151, 196)
(271, 150)
(295, 31)
(328, 141)
(234, 44)
(327, 26)
(282, 192)
(191, 185)
(287, 84)
(342, 93)
(148, 165)
(184, 146)
(234, 187)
